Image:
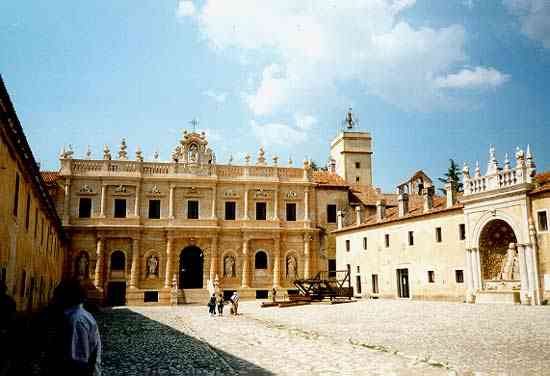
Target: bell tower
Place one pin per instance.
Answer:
(352, 152)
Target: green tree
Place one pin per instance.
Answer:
(452, 173)
(315, 167)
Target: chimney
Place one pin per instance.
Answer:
(380, 210)
(450, 188)
(339, 219)
(427, 196)
(403, 201)
(358, 215)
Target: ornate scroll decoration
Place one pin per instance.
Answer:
(86, 189)
(230, 193)
(261, 194)
(291, 195)
(194, 156)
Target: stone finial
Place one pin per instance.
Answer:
(478, 170)
(380, 209)
(520, 157)
(156, 155)
(139, 154)
(506, 163)
(261, 157)
(275, 160)
(290, 161)
(247, 159)
(307, 164)
(492, 166)
(529, 158)
(403, 203)
(466, 170)
(230, 161)
(122, 153)
(106, 152)
(88, 154)
(66, 153)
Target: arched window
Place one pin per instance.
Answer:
(261, 260)
(118, 260)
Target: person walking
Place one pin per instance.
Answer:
(235, 303)
(212, 305)
(220, 302)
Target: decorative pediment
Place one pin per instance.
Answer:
(121, 190)
(154, 191)
(291, 195)
(86, 189)
(262, 195)
(193, 192)
(230, 193)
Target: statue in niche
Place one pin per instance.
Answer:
(291, 267)
(193, 153)
(229, 266)
(510, 266)
(152, 265)
(82, 266)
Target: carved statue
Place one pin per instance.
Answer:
(291, 267)
(229, 266)
(82, 265)
(193, 154)
(510, 267)
(152, 265)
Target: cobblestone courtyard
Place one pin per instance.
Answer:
(365, 338)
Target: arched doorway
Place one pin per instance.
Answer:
(498, 254)
(191, 268)
(116, 288)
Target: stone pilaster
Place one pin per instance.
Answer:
(276, 263)
(246, 265)
(307, 256)
(245, 214)
(524, 279)
(134, 271)
(530, 272)
(214, 194)
(136, 203)
(306, 204)
(275, 204)
(213, 258)
(67, 203)
(103, 200)
(469, 277)
(168, 268)
(171, 203)
(100, 260)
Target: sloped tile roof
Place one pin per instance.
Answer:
(325, 178)
(542, 182)
(49, 177)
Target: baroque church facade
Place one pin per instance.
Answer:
(162, 232)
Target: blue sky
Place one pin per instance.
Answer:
(430, 79)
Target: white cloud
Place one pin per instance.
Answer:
(534, 18)
(317, 46)
(282, 134)
(468, 4)
(186, 8)
(477, 78)
(219, 97)
(305, 122)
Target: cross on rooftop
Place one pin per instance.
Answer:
(194, 123)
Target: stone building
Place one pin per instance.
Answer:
(161, 232)
(32, 250)
(488, 244)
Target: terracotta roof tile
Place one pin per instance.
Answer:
(369, 195)
(328, 179)
(49, 177)
(542, 182)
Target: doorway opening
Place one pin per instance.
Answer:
(191, 268)
(403, 283)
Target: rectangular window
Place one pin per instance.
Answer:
(358, 269)
(459, 276)
(462, 231)
(120, 208)
(85, 207)
(357, 165)
(411, 238)
(150, 296)
(365, 243)
(387, 240)
(358, 284)
(542, 220)
(192, 209)
(261, 211)
(431, 276)
(375, 284)
(438, 237)
(154, 209)
(357, 179)
(291, 212)
(28, 212)
(331, 213)
(230, 210)
(16, 197)
(348, 245)
(332, 268)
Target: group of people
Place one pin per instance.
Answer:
(218, 301)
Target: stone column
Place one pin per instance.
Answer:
(276, 204)
(214, 258)
(67, 202)
(214, 194)
(171, 203)
(103, 200)
(245, 214)
(469, 277)
(476, 269)
(530, 272)
(276, 263)
(134, 271)
(524, 279)
(246, 272)
(136, 203)
(168, 269)
(100, 254)
(306, 204)
(307, 256)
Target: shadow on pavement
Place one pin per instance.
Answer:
(136, 345)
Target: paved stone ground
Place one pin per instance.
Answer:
(375, 337)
